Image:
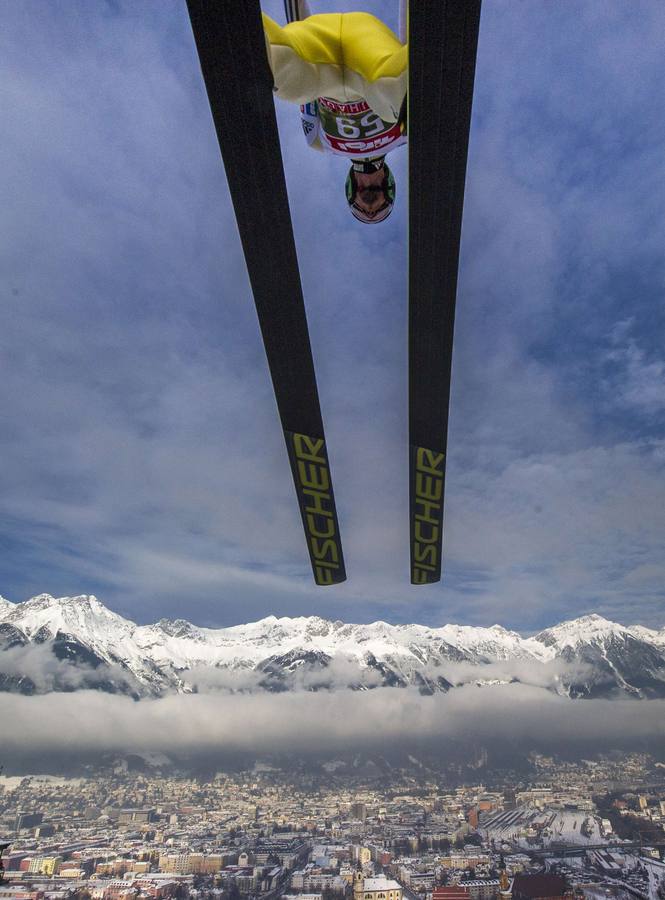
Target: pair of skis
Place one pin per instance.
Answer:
(442, 50)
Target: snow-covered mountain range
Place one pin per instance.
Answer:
(69, 643)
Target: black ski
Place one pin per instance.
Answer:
(443, 38)
(231, 47)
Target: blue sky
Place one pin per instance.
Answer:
(142, 458)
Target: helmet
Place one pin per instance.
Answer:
(388, 187)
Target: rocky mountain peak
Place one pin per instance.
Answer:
(176, 627)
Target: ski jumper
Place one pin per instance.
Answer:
(349, 73)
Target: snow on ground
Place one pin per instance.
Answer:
(574, 827)
(529, 827)
(656, 872)
(11, 782)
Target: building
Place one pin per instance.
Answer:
(191, 863)
(422, 882)
(375, 888)
(27, 820)
(136, 816)
(301, 897)
(464, 861)
(311, 881)
(44, 865)
(540, 887)
(359, 812)
(451, 892)
(482, 888)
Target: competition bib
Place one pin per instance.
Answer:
(356, 130)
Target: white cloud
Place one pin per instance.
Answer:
(36, 665)
(315, 722)
(141, 450)
(638, 381)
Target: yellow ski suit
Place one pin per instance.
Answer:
(343, 56)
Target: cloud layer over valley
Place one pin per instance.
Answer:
(303, 722)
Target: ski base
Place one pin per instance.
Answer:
(427, 479)
(311, 475)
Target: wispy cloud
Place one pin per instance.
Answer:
(35, 667)
(637, 381)
(141, 450)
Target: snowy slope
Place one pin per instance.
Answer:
(603, 658)
(589, 629)
(610, 657)
(81, 616)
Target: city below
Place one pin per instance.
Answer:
(592, 828)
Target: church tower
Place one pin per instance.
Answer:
(358, 885)
(505, 892)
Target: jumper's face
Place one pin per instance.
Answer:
(369, 191)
